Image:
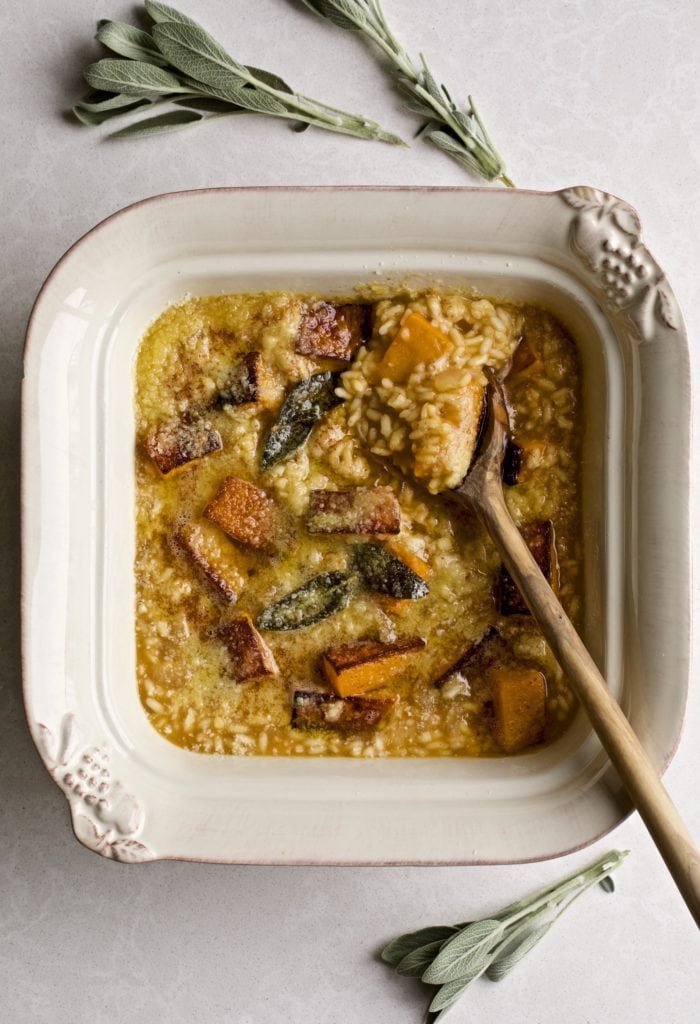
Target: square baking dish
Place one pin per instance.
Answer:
(135, 797)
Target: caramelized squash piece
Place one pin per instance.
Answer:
(314, 710)
(540, 538)
(367, 664)
(244, 512)
(471, 669)
(213, 555)
(416, 341)
(175, 446)
(251, 658)
(333, 332)
(363, 510)
(519, 696)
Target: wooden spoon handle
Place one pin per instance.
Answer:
(651, 799)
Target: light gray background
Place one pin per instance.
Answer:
(575, 92)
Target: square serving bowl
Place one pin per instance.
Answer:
(134, 796)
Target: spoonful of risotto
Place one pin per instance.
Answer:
(482, 491)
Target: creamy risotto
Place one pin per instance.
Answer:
(304, 584)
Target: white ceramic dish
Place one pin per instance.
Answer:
(133, 796)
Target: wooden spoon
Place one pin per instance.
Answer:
(482, 491)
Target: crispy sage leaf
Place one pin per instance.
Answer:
(322, 596)
(387, 574)
(303, 407)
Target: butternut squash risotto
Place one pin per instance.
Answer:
(304, 585)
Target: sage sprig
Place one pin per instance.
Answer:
(456, 130)
(180, 64)
(453, 956)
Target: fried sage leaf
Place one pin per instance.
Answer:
(387, 574)
(303, 407)
(322, 596)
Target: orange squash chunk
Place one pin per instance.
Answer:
(518, 696)
(244, 512)
(415, 342)
(213, 555)
(251, 658)
(367, 664)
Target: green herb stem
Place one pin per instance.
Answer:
(459, 132)
(453, 957)
(179, 61)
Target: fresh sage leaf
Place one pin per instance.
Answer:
(192, 50)
(274, 81)
(209, 105)
(448, 994)
(170, 122)
(457, 955)
(180, 60)
(338, 13)
(303, 407)
(131, 78)
(415, 963)
(101, 111)
(251, 99)
(129, 41)
(461, 134)
(468, 951)
(502, 965)
(382, 571)
(395, 951)
(320, 597)
(158, 12)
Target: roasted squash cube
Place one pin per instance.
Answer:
(368, 664)
(470, 670)
(250, 656)
(174, 446)
(372, 510)
(519, 707)
(246, 382)
(213, 555)
(333, 332)
(244, 512)
(540, 539)
(416, 342)
(312, 709)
